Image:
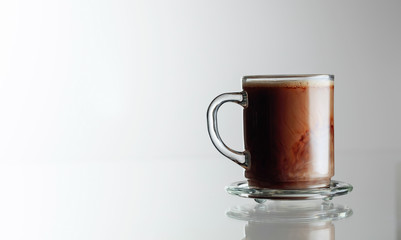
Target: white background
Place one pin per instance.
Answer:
(89, 89)
(108, 80)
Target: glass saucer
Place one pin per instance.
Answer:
(290, 212)
(336, 188)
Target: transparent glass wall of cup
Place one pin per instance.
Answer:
(288, 130)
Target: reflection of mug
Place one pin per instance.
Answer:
(288, 130)
(306, 220)
(289, 231)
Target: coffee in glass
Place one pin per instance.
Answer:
(288, 130)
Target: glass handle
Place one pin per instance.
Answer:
(241, 158)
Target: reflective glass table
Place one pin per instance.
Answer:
(185, 198)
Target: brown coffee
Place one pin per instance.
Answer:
(289, 133)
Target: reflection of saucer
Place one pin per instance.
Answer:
(290, 212)
(242, 189)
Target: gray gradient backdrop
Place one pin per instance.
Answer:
(106, 80)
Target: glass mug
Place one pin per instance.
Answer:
(288, 130)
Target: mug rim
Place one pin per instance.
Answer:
(289, 77)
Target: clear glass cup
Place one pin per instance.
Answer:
(288, 130)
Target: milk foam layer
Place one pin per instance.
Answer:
(288, 83)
